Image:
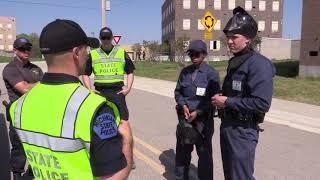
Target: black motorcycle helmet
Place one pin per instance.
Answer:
(242, 23)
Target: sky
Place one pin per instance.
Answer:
(134, 20)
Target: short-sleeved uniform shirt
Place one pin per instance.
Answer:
(128, 68)
(17, 71)
(106, 157)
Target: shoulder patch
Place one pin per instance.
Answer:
(105, 126)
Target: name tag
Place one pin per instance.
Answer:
(236, 85)
(201, 91)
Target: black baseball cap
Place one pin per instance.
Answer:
(21, 42)
(105, 32)
(197, 45)
(61, 35)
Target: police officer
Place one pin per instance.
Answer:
(196, 85)
(247, 94)
(109, 64)
(19, 76)
(67, 131)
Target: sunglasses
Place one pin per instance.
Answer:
(194, 54)
(106, 37)
(24, 49)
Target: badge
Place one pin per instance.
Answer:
(236, 85)
(35, 71)
(201, 91)
(105, 126)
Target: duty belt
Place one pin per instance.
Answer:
(244, 117)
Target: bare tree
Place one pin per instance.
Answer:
(137, 49)
(153, 49)
(256, 43)
(180, 46)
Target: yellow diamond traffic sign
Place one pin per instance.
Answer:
(208, 21)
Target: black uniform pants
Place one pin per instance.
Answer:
(204, 151)
(4, 150)
(238, 146)
(17, 155)
(118, 99)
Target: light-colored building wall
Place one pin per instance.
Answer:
(278, 48)
(7, 33)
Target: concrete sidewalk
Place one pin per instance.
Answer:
(297, 115)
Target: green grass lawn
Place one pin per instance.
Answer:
(286, 84)
(4, 59)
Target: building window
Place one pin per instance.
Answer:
(201, 4)
(275, 26)
(215, 45)
(200, 26)
(10, 47)
(261, 25)
(9, 26)
(1, 36)
(275, 6)
(248, 5)
(232, 4)
(1, 47)
(186, 4)
(217, 4)
(186, 24)
(9, 36)
(262, 5)
(217, 26)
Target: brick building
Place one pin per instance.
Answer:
(310, 40)
(183, 18)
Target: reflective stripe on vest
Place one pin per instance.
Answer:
(54, 125)
(56, 144)
(108, 68)
(70, 116)
(61, 144)
(17, 112)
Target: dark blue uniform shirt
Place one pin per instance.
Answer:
(186, 89)
(250, 87)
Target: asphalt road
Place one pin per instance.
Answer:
(283, 153)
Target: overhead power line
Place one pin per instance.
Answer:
(49, 4)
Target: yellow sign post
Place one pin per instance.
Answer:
(208, 21)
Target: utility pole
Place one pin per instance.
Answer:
(103, 13)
